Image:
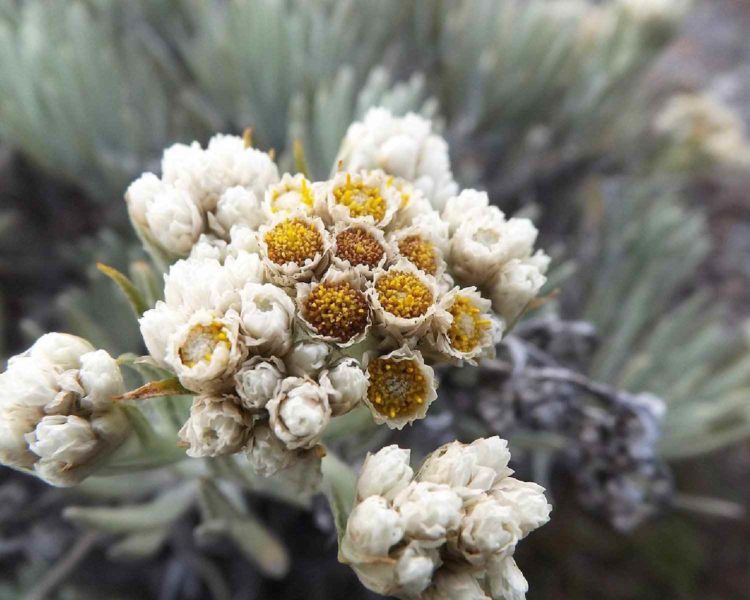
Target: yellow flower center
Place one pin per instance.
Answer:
(360, 199)
(422, 253)
(396, 388)
(359, 247)
(304, 192)
(403, 294)
(337, 310)
(293, 240)
(468, 326)
(201, 342)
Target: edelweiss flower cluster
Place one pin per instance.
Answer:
(450, 531)
(297, 300)
(57, 418)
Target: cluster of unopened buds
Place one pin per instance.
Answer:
(447, 532)
(289, 302)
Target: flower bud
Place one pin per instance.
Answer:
(307, 358)
(349, 383)
(217, 425)
(429, 511)
(299, 412)
(267, 319)
(385, 473)
(371, 531)
(257, 380)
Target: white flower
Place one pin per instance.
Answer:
(415, 569)
(226, 162)
(236, 206)
(307, 358)
(517, 283)
(452, 584)
(480, 247)
(403, 299)
(205, 351)
(469, 204)
(334, 309)
(243, 240)
(429, 511)
(56, 411)
(267, 319)
(164, 214)
(372, 530)
(257, 379)
(359, 247)
(462, 328)
(64, 438)
(400, 388)
(475, 466)
(268, 455)
(414, 205)
(488, 528)
(294, 248)
(385, 473)
(209, 246)
(217, 426)
(506, 580)
(421, 244)
(292, 195)
(349, 383)
(401, 146)
(300, 412)
(362, 198)
(527, 501)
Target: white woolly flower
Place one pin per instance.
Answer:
(385, 473)
(429, 511)
(400, 387)
(236, 206)
(217, 426)
(257, 379)
(56, 411)
(467, 205)
(349, 383)
(307, 358)
(506, 580)
(487, 528)
(242, 239)
(334, 309)
(403, 299)
(226, 162)
(67, 439)
(480, 247)
(452, 584)
(474, 466)
(294, 248)
(165, 215)
(462, 328)
(362, 198)
(414, 205)
(206, 350)
(209, 247)
(361, 248)
(527, 501)
(300, 412)
(401, 146)
(372, 529)
(517, 283)
(292, 195)
(268, 455)
(267, 319)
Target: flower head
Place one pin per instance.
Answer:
(299, 412)
(217, 425)
(365, 197)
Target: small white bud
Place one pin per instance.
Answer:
(299, 413)
(384, 473)
(349, 384)
(217, 425)
(257, 380)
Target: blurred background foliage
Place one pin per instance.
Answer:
(550, 106)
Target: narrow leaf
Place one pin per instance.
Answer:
(133, 295)
(156, 389)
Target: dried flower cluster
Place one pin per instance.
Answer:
(57, 418)
(448, 532)
(297, 300)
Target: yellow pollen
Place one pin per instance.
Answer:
(201, 342)
(420, 252)
(305, 192)
(396, 388)
(403, 294)
(359, 247)
(468, 326)
(293, 240)
(360, 199)
(337, 310)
